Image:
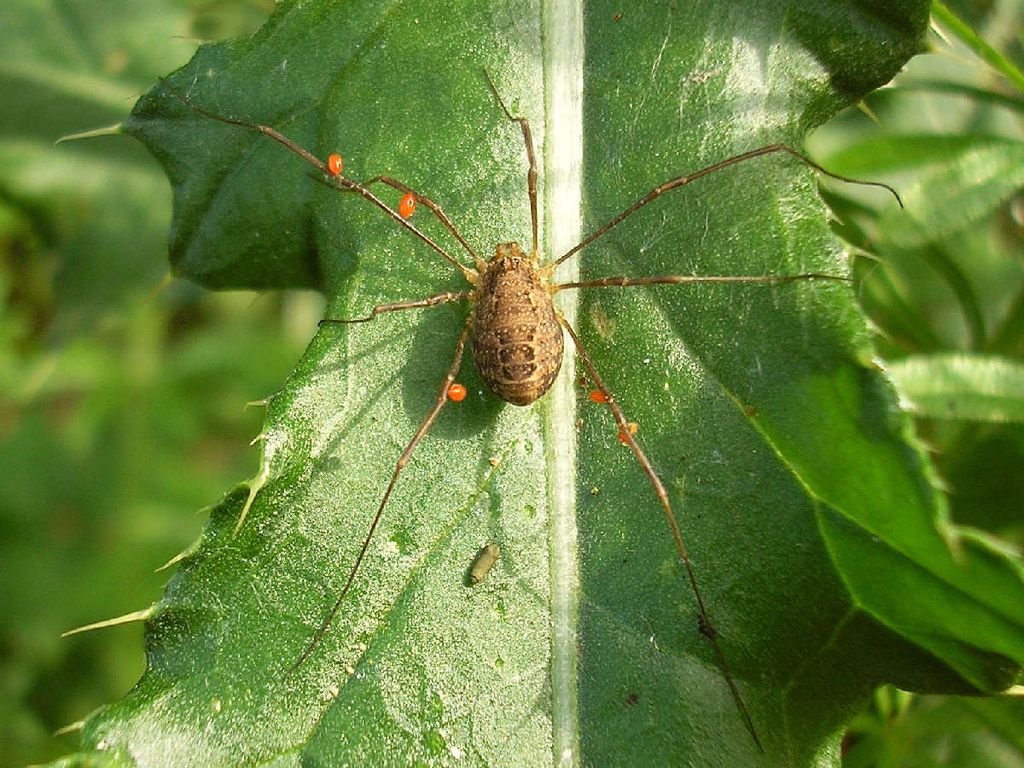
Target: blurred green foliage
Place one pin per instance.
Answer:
(120, 404)
(121, 399)
(946, 277)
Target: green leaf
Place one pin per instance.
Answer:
(63, 71)
(961, 193)
(961, 386)
(808, 515)
(976, 43)
(944, 272)
(941, 732)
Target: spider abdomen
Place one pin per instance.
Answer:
(517, 339)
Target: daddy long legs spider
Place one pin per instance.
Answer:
(517, 333)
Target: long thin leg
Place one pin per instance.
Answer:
(609, 282)
(531, 177)
(338, 181)
(380, 309)
(434, 207)
(442, 398)
(668, 186)
(706, 627)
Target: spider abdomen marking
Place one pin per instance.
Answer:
(517, 339)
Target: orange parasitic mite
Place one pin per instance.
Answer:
(597, 396)
(633, 427)
(407, 205)
(335, 164)
(457, 393)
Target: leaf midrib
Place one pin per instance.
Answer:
(562, 157)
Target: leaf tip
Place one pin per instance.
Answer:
(117, 129)
(127, 618)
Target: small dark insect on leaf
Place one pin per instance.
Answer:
(483, 562)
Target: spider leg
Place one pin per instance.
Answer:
(442, 398)
(608, 282)
(435, 209)
(531, 177)
(336, 180)
(681, 181)
(380, 309)
(626, 434)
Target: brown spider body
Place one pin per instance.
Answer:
(517, 339)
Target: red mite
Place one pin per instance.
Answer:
(407, 205)
(632, 426)
(457, 393)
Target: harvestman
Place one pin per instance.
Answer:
(515, 329)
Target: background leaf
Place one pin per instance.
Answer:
(120, 405)
(940, 294)
(962, 386)
(761, 478)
